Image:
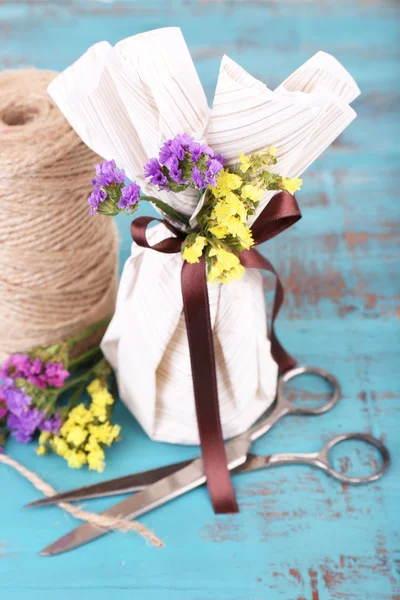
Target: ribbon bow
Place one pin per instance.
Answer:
(281, 212)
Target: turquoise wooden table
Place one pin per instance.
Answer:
(299, 535)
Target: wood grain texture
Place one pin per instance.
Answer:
(299, 535)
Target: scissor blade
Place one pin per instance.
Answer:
(113, 487)
(154, 495)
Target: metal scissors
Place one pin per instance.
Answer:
(158, 486)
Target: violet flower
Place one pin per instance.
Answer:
(24, 417)
(55, 375)
(183, 163)
(130, 196)
(23, 427)
(153, 169)
(96, 198)
(42, 375)
(107, 174)
(16, 400)
(111, 193)
(51, 424)
(17, 365)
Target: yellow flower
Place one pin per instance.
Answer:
(99, 411)
(234, 227)
(95, 386)
(226, 182)
(192, 253)
(220, 231)
(230, 206)
(245, 160)
(40, 450)
(291, 185)
(76, 458)
(59, 446)
(245, 237)
(92, 444)
(95, 460)
(44, 437)
(233, 274)
(79, 415)
(272, 151)
(105, 433)
(103, 399)
(252, 192)
(77, 435)
(101, 396)
(221, 211)
(225, 258)
(225, 266)
(215, 276)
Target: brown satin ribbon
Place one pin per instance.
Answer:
(281, 212)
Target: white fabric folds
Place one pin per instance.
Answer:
(124, 102)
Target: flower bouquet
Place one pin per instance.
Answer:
(33, 402)
(189, 341)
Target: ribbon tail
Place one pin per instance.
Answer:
(201, 346)
(252, 259)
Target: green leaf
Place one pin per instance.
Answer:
(167, 209)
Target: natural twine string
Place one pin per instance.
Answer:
(101, 521)
(58, 264)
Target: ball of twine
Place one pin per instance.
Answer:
(58, 264)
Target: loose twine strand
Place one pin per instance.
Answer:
(100, 521)
(58, 263)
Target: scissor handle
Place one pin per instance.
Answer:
(322, 459)
(301, 410)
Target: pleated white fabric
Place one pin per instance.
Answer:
(125, 102)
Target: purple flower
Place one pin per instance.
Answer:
(183, 139)
(107, 174)
(213, 168)
(23, 427)
(153, 170)
(36, 375)
(17, 365)
(51, 424)
(220, 159)
(130, 196)
(17, 401)
(197, 177)
(195, 150)
(165, 153)
(176, 176)
(96, 198)
(185, 162)
(41, 375)
(177, 151)
(55, 375)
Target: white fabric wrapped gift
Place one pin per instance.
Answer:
(125, 102)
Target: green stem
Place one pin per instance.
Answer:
(85, 356)
(78, 379)
(167, 209)
(88, 332)
(73, 401)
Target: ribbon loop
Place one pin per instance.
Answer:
(170, 245)
(281, 212)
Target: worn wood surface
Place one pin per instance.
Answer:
(299, 535)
